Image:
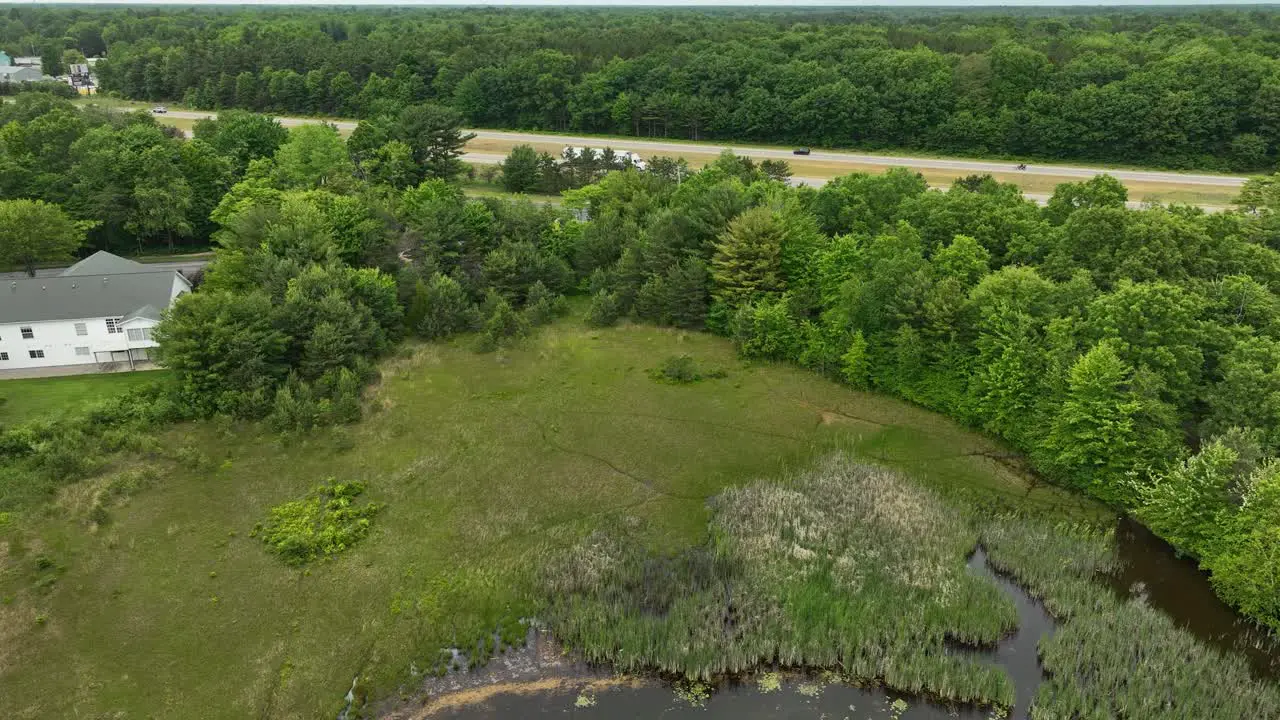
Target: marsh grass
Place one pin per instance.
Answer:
(844, 566)
(1115, 658)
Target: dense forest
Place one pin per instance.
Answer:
(1178, 88)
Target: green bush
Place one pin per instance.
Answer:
(604, 310)
(542, 306)
(682, 370)
(765, 329)
(503, 326)
(325, 522)
(440, 308)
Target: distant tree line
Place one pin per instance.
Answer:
(1167, 87)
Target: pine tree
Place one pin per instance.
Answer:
(747, 261)
(686, 293)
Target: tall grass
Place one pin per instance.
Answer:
(846, 566)
(1115, 658)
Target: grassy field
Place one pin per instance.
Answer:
(28, 399)
(483, 463)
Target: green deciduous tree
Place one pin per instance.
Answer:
(1094, 437)
(1187, 503)
(33, 231)
(522, 170)
(1245, 556)
(314, 156)
(224, 348)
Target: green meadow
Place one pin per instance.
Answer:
(47, 398)
(165, 604)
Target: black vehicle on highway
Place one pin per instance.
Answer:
(800, 151)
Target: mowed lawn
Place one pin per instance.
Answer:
(32, 398)
(482, 463)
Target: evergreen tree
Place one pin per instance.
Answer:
(747, 263)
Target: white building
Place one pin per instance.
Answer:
(100, 310)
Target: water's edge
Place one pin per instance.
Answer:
(542, 680)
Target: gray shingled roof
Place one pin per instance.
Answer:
(70, 297)
(103, 263)
(146, 311)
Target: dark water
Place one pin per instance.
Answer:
(1177, 587)
(1151, 569)
(1018, 654)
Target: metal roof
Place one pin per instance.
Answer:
(71, 297)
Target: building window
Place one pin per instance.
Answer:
(4, 356)
(27, 333)
(113, 326)
(35, 354)
(138, 334)
(82, 329)
(82, 351)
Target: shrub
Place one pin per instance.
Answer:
(504, 324)
(440, 308)
(542, 306)
(604, 310)
(296, 408)
(682, 370)
(765, 329)
(325, 522)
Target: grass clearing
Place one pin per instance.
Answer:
(480, 464)
(23, 399)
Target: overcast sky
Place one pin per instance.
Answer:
(771, 3)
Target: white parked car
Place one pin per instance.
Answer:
(159, 109)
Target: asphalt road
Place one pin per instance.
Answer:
(852, 159)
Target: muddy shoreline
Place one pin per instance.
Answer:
(540, 666)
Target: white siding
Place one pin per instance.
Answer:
(58, 340)
(180, 286)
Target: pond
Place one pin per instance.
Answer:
(1151, 569)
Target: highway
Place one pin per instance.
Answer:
(854, 161)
